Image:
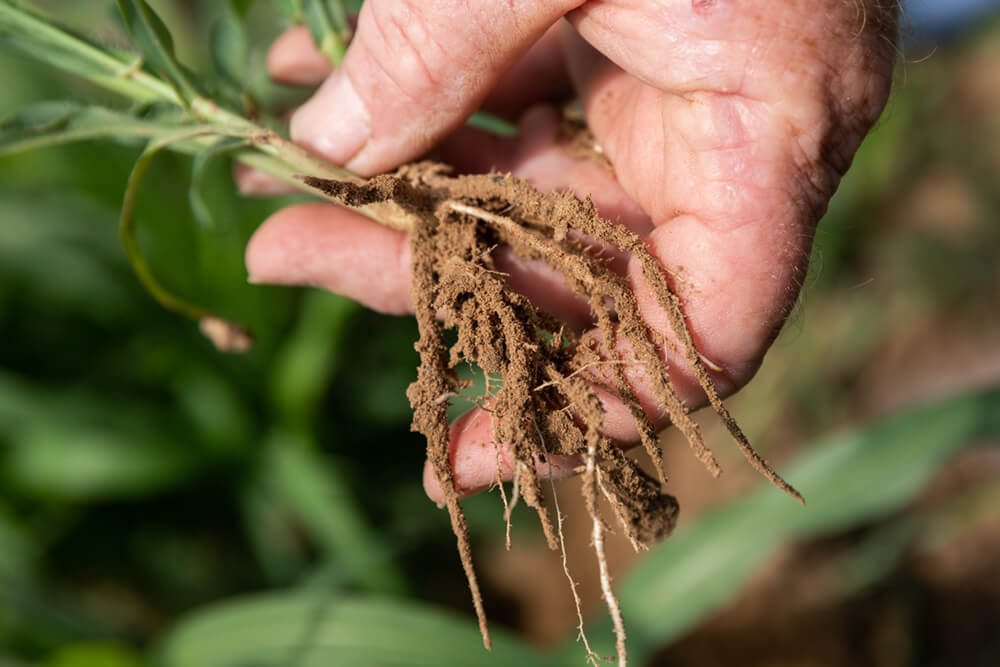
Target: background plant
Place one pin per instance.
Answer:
(147, 478)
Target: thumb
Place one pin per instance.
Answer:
(413, 73)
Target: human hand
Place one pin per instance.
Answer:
(728, 125)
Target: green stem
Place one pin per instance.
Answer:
(270, 143)
(91, 62)
(64, 50)
(67, 51)
(270, 152)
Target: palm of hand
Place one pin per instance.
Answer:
(728, 131)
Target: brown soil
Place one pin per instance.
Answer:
(546, 403)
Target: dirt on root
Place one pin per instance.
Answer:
(546, 403)
(576, 139)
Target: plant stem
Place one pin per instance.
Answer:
(207, 123)
(91, 62)
(290, 155)
(67, 51)
(277, 156)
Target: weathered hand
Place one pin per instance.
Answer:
(728, 124)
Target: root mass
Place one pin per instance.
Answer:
(545, 403)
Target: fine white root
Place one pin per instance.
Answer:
(592, 657)
(586, 367)
(503, 495)
(609, 595)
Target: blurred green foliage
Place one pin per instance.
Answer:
(162, 503)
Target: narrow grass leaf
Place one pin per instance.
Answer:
(153, 38)
(71, 463)
(73, 445)
(317, 492)
(317, 630)
(36, 37)
(230, 47)
(305, 364)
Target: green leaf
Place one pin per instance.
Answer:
(68, 462)
(305, 364)
(318, 630)
(157, 46)
(318, 494)
(71, 444)
(197, 195)
(230, 47)
(848, 480)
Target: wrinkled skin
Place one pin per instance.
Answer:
(728, 123)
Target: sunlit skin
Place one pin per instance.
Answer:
(728, 122)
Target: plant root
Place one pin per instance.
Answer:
(546, 403)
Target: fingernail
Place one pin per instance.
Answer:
(334, 122)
